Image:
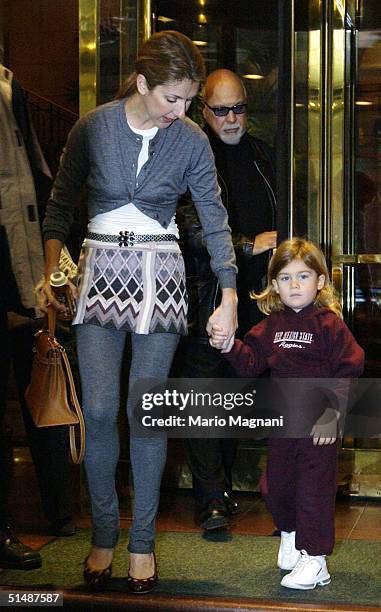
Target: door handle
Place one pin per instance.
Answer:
(359, 258)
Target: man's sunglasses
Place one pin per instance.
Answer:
(222, 111)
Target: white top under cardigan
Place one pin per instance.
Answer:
(128, 217)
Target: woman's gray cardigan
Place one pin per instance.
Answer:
(102, 153)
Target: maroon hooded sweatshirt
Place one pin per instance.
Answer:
(311, 343)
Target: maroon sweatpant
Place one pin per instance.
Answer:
(300, 489)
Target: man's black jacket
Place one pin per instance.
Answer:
(203, 290)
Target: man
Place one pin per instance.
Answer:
(247, 180)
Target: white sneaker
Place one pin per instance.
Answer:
(307, 573)
(288, 556)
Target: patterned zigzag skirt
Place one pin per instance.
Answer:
(137, 289)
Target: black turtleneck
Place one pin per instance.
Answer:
(249, 209)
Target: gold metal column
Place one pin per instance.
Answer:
(308, 134)
(335, 110)
(144, 20)
(315, 105)
(88, 54)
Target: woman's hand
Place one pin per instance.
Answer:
(222, 323)
(47, 298)
(218, 337)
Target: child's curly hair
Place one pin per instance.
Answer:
(297, 248)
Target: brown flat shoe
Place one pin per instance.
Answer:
(140, 586)
(96, 579)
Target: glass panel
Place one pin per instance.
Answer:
(118, 44)
(335, 101)
(110, 33)
(307, 120)
(367, 209)
(319, 92)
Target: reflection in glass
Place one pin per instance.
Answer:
(307, 122)
(118, 44)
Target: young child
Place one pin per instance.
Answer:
(300, 482)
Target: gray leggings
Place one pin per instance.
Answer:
(100, 354)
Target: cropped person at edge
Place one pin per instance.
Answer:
(136, 155)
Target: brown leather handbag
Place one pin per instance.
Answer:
(51, 396)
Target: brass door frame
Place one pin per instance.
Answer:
(358, 258)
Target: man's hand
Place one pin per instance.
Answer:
(325, 429)
(263, 242)
(224, 321)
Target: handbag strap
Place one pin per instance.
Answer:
(76, 455)
(52, 318)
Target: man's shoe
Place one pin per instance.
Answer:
(288, 556)
(231, 505)
(308, 573)
(62, 528)
(214, 516)
(15, 555)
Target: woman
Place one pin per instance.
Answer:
(136, 155)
